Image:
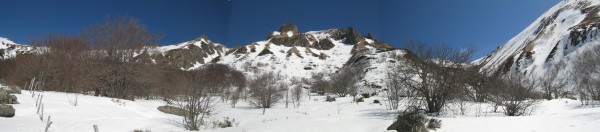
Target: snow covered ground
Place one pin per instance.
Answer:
(314, 115)
(109, 114)
(559, 115)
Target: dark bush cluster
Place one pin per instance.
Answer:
(365, 95)
(225, 123)
(414, 122)
(361, 99)
(330, 98)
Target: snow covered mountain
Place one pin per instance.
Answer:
(290, 53)
(186, 55)
(554, 40)
(9, 49)
(287, 51)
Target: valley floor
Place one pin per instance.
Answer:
(112, 115)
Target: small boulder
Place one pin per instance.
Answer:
(6, 111)
(5, 97)
(376, 101)
(172, 110)
(13, 99)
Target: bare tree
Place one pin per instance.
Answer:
(265, 90)
(345, 81)
(229, 83)
(394, 89)
(350, 77)
(320, 84)
(297, 95)
(117, 41)
(515, 94)
(120, 37)
(435, 73)
(196, 99)
(588, 75)
(551, 86)
(477, 89)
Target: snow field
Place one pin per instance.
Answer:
(314, 114)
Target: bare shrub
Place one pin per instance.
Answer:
(394, 89)
(346, 79)
(515, 95)
(320, 84)
(297, 93)
(265, 90)
(227, 122)
(552, 86)
(196, 100)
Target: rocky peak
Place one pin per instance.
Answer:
(288, 35)
(203, 37)
(353, 37)
(370, 36)
(288, 27)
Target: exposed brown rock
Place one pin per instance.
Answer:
(324, 44)
(252, 47)
(323, 56)
(144, 57)
(186, 58)
(296, 40)
(382, 45)
(310, 52)
(238, 50)
(358, 47)
(295, 51)
(265, 51)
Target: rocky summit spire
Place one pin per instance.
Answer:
(288, 27)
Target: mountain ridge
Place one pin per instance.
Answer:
(286, 51)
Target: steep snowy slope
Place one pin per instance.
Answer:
(557, 37)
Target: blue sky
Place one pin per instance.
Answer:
(178, 20)
(485, 24)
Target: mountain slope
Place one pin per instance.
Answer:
(555, 39)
